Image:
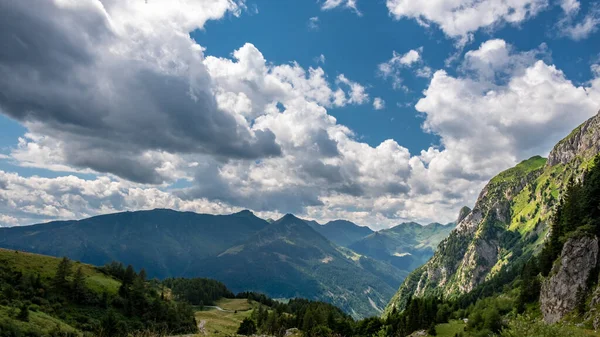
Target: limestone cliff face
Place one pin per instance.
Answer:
(569, 276)
(583, 141)
(518, 202)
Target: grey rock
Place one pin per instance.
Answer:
(583, 141)
(559, 292)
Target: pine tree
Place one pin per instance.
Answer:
(63, 271)
(78, 286)
(128, 278)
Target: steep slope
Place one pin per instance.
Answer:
(341, 232)
(161, 241)
(508, 223)
(406, 246)
(290, 259)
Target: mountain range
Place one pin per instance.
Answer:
(285, 258)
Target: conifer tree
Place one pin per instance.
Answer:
(63, 271)
(78, 286)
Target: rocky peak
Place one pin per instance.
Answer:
(583, 141)
(462, 214)
(569, 275)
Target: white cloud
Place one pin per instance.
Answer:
(595, 69)
(424, 72)
(378, 103)
(350, 4)
(521, 113)
(313, 23)
(7, 220)
(357, 94)
(393, 67)
(460, 18)
(568, 25)
(320, 59)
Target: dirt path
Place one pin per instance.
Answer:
(218, 308)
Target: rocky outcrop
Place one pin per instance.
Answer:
(583, 141)
(569, 276)
(463, 213)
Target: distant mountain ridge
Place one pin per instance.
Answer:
(161, 240)
(405, 246)
(341, 232)
(283, 258)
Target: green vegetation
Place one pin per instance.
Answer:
(521, 170)
(578, 213)
(43, 296)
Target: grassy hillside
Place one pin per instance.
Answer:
(45, 266)
(222, 323)
(47, 296)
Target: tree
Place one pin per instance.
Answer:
(78, 287)
(63, 271)
(247, 327)
(128, 279)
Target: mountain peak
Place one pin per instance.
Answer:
(245, 212)
(584, 141)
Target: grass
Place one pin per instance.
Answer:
(38, 322)
(223, 323)
(235, 304)
(449, 329)
(29, 263)
(519, 171)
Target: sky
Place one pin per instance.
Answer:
(375, 111)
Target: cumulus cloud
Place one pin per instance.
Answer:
(460, 18)
(88, 82)
(378, 103)
(349, 4)
(519, 105)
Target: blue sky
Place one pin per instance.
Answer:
(119, 109)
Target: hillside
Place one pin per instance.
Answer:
(405, 246)
(341, 232)
(508, 223)
(47, 296)
(290, 259)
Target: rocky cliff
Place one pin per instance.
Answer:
(508, 222)
(569, 277)
(584, 141)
